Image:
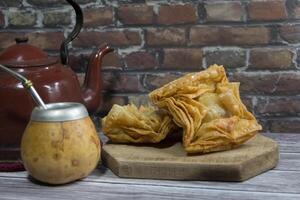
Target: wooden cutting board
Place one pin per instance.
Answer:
(170, 161)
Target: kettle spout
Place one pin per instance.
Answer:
(91, 89)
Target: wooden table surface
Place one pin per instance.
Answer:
(282, 183)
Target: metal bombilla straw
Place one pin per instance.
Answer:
(26, 84)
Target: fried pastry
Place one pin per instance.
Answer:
(129, 124)
(209, 109)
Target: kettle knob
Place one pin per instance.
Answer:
(21, 40)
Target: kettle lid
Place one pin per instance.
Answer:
(23, 54)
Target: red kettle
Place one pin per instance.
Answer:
(53, 80)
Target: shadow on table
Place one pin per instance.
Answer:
(99, 171)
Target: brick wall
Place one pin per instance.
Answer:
(158, 41)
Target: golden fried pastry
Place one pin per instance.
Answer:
(129, 124)
(209, 109)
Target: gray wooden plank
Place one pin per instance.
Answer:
(272, 181)
(281, 183)
(288, 142)
(20, 188)
(288, 162)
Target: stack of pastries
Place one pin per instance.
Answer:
(204, 104)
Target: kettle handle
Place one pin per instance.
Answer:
(64, 52)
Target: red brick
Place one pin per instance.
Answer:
(8, 38)
(285, 125)
(154, 81)
(45, 2)
(278, 106)
(141, 60)
(111, 61)
(115, 38)
(109, 100)
(97, 17)
(2, 22)
(268, 83)
(293, 8)
(135, 14)
(139, 99)
(290, 33)
(267, 10)
(47, 40)
(224, 11)
(22, 19)
(52, 3)
(177, 14)
(229, 58)
(264, 123)
(182, 59)
(121, 82)
(10, 3)
(248, 102)
(212, 35)
(54, 19)
(165, 36)
(264, 58)
(78, 63)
